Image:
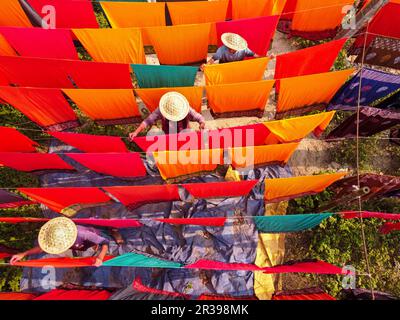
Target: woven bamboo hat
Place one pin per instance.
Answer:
(174, 106)
(234, 41)
(57, 235)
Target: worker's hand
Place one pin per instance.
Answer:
(132, 135)
(202, 126)
(17, 257)
(272, 56)
(202, 67)
(98, 262)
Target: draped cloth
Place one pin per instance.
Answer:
(302, 294)
(43, 43)
(46, 107)
(83, 295)
(151, 97)
(63, 262)
(14, 141)
(383, 51)
(258, 32)
(242, 9)
(113, 45)
(239, 99)
(301, 94)
(16, 296)
(140, 261)
(107, 106)
(12, 14)
(155, 76)
(233, 72)
(182, 44)
(30, 162)
(11, 200)
(5, 48)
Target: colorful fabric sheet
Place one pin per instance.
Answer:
(14, 141)
(5, 47)
(53, 73)
(242, 9)
(316, 59)
(60, 262)
(233, 72)
(123, 165)
(58, 294)
(12, 14)
(113, 45)
(11, 200)
(91, 143)
(367, 214)
(207, 222)
(289, 223)
(238, 99)
(151, 97)
(220, 189)
(301, 94)
(154, 76)
(258, 32)
(107, 106)
(43, 43)
(302, 294)
(183, 44)
(140, 261)
(383, 51)
(389, 227)
(16, 296)
(283, 189)
(30, 162)
(47, 107)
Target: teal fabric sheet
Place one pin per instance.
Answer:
(139, 260)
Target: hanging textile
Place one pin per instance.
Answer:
(258, 32)
(43, 43)
(204, 264)
(289, 223)
(233, 72)
(151, 97)
(315, 59)
(183, 44)
(67, 201)
(63, 262)
(317, 20)
(15, 141)
(138, 285)
(69, 14)
(91, 143)
(30, 162)
(107, 106)
(192, 12)
(54, 73)
(17, 296)
(113, 45)
(367, 214)
(239, 99)
(11, 200)
(383, 51)
(389, 227)
(47, 107)
(206, 222)
(298, 95)
(180, 165)
(5, 47)
(312, 266)
(302, 294)
(84, 295)
(12, 14)
(214, 190)
(242, 9)
(155, 76)
(282, 189)
(225, 297)
(122, 165)
(369, 121)
(376, 86)
(140, 261)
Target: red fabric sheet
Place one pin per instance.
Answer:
(43, 43)
(139, 286)
(388, 227)
(5, 255)
(69, 13)
(208, 222)
(12, 220)
(316, 59)
(220, 189)
(58, 294)
(13, 141)
(317, 267)
(221, 297)
(60, 262)
(257, 31)
(29, 162)
(367, 214)
(18, 204)
(304, 296)
(289, 9)
(204, 264)
(122, 165)
(91, 143)
(16, 296)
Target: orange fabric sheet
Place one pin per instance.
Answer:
(5, 48)
(297, 128)
(288, 188)
(105, 104)
(234, 72)
(242, 9)
(298, 92)
(113, 45)
(239, 96)
(12, 14)
(318, 15)
(183, 44)
(174, 164)
(246, 157)
(151, 96)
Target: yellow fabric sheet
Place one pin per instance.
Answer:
(12, 14)
(234, 72)
(182, 44)
(5, 48)
(299, 92)
(239, 96)
(289, 188)
(105, 104)
(242, 9)
(151, 96)
(297, 128)
(113, 45)
(318, 15)
(191, 12)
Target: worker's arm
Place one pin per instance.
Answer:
(101, 255)
(148, 122)
(19, 256)
(195, 116)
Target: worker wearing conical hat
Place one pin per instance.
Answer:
(61, 234)
(175, 112)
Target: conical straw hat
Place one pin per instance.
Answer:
(57, 235)
(174, 106)
(234, 41)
